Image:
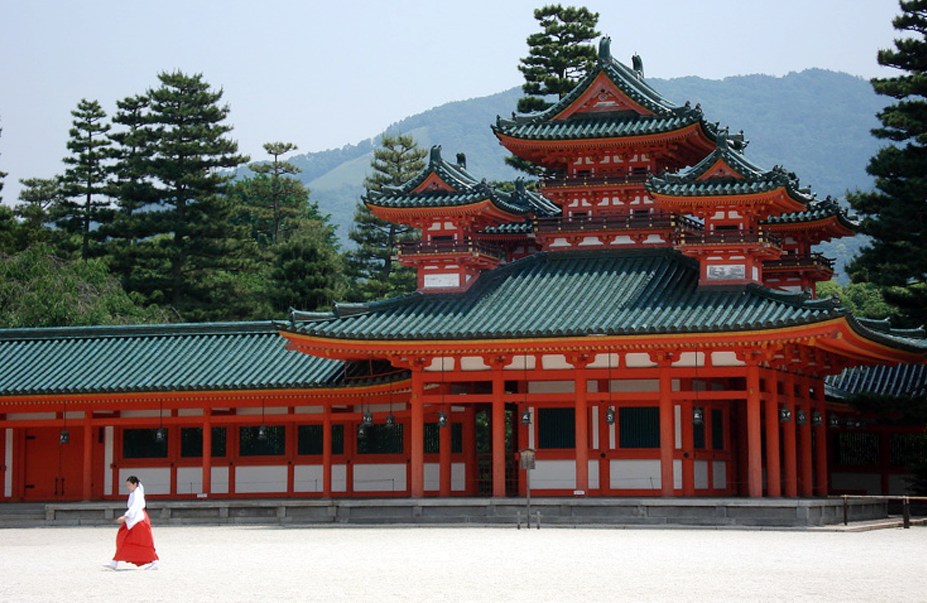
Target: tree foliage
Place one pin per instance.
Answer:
(80, 208)
(559, 55)
(863, 299)
(179, 247)
(39, 289)
(371, 265)
(894, 215)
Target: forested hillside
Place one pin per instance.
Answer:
(815, 123)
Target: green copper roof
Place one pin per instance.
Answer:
(666, 117)
(609, 126)
(466, 190)
(144, 358)
(569, 293)
(817, 210)
(752, 179)
(898, 381)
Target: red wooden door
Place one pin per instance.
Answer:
(52, 471)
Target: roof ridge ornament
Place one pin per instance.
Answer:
(638, 64)
(435, 156)
(605, 50)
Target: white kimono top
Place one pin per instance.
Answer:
(136, 507)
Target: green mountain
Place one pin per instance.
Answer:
(815, 123)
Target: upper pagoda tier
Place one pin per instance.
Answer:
(727, 178)
(453, 210)
(447, 190)
(614, 106)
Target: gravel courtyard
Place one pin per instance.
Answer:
(468, 564)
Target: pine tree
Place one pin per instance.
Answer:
(370, 266)
(277, 200)
(306, 271)
(37, 197)
(895, 214)
(180, 248)
(559, 56)
(84, 185)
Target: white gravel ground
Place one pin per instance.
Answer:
(469, 564)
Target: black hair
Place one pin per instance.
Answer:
(133, 480)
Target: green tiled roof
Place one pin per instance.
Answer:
(817, 210)
(898, 381)
(753, 179)
(149, 358)
(609, 126)
(666, 117)
(567, 293)
(466, 190)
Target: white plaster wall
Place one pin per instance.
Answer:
(554, 474)
(551, 387)
(433, 476)
(725, 359)
(190, 412)
(555, 361)
(132, 414)
(256, 410)
(30, 416)
(677, 425)
(157, 480)
(635, 474)
(677, 473)
(691, 359)
(719, 475)
(309, 410)
(593, 473)
(638, 360)
(265, 478)
(339, 478)
(189, 480)
(380, 478)
(473, 363)
(308, 478)
(701, 474)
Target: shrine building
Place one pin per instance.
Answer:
(642, 324)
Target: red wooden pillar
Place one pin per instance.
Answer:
(87, 469)
(207, 457)
(820, 456)
(327, 451)
(788, 439)
(807, 461)
(581, 430)
(754, 438)
(498, 429)
(667, 425)
(444, 453)
(773, 467)
(417, 430)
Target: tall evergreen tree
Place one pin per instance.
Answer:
(37, 197)
(370, 266)
(180, 247)
(280, 189)
(895, 214)
(558, 56)
(84, 185)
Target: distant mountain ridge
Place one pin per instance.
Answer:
(815, 123)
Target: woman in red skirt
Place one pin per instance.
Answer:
(134, 542)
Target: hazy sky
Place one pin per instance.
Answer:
(325, 74)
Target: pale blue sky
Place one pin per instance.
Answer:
(323, 74)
